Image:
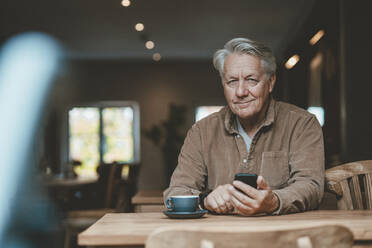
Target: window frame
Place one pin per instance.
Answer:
(205, 105)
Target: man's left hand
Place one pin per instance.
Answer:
(253, 201)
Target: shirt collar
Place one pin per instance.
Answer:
(230, 123)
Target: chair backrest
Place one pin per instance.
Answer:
(352, 184)
(234, 237)
(110, 184)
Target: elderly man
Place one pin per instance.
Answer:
(280, 142)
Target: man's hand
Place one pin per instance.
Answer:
(219, 200)
(253, 201)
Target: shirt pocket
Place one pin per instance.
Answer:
(275, 168)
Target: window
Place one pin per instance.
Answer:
(318, 112)
(103, 133)
(204, 111)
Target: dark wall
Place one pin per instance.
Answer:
(356, 42)
(325, 15)
(346, 85)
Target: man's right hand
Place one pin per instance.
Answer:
(219, 200)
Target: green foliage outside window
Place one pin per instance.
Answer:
(84, 137)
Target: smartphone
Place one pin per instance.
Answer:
(250, 179)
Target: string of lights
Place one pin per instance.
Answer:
(140, 27)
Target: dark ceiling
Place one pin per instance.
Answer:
(181, 29)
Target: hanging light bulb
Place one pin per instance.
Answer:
(292, 61)
(156, 56)
(149, 44)
(316, 37)
(125, 3)
(139, 27)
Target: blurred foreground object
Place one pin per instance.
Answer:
(211, 237)
(28, 63)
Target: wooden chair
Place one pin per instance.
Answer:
(79, 220)
(352, 185)
(236, 237)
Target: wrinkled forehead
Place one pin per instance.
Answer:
(242, 65)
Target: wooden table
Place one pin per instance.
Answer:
(71, 193)
(132, 229)
(70, 182)
(148, 201)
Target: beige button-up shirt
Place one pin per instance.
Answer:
(287, 150)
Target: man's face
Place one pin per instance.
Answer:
(246, 86)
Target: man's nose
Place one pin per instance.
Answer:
(242, 89)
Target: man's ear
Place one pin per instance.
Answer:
(272, 81)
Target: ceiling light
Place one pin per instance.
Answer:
(292, 61)
(156, 56)
(149, 44)
(139, 27)
(125, 3)
(316, 37)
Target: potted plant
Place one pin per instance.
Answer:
(169, 135)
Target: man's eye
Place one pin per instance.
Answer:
(252, 81)
(232, 81)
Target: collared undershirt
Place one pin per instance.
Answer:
(246, 138)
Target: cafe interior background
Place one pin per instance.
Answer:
(137, 74)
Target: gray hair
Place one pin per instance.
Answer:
(246, 46)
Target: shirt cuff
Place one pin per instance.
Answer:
(278, 210)
(202, 196)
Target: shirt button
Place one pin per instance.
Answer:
(244, 161)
